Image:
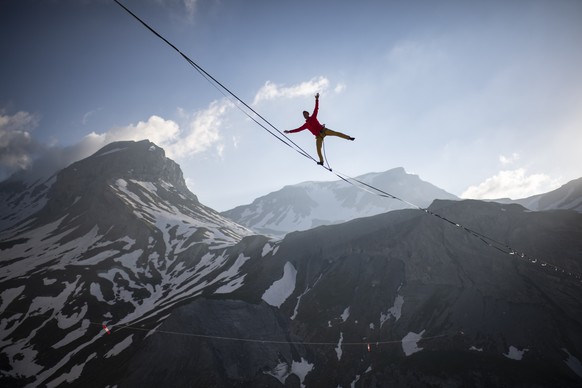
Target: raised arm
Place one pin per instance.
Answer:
(316, 109)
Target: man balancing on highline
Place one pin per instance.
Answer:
(319, 130)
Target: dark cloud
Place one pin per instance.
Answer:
(28, 159)
(17, 146)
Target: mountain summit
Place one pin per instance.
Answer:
(311, 204)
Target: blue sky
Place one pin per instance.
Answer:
(481, 98)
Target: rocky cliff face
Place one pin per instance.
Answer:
(190, 298)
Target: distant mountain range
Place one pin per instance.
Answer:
(311, 204)
(568, 196)
(112, 273)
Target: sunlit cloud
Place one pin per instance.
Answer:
(271, 91)
(509, 159)
(156, 129)
(203, 131)
(514, 184)
(196, 133)
(199, 133)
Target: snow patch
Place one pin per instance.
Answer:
(573, 363)
(301, 369)
(281, 289)
(72, 375)
(64, 322)
(410, 343)
(394, 311)
(298, 368)
(120, 347)
(266, 249)
(345, 315)
(112, 151)
(9, 295)
(515, 354)
(232, 273)
(95, 290)
(338, 349)
(42, 304)
(73, 335)
(232, 286)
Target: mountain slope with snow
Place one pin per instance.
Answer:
(20, 199)
(311, 204)
(119, 276)
(398, 299)
(119, 240)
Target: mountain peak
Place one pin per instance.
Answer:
(87, 185)
(311, 204)
(141, 160)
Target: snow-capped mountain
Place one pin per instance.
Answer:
(568, 196)
(118, 239)
(311, 204)
(119, 276)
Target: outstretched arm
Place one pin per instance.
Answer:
(301, 128)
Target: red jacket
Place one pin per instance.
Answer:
(311, 123)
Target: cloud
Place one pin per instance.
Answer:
(88, 115)
(156, 129)
(271, 91)
(197, 133)
(203, 131)
(190, 6)
(513, 184)
(509, 159)
(17, 146)
(339, 88)
(21, 121)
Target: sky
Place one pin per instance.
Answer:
(480, 98)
